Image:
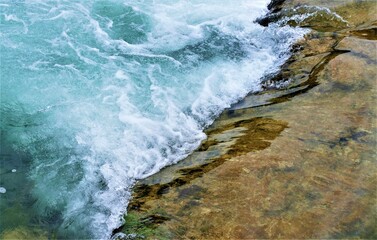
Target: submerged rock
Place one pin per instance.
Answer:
(24, 233)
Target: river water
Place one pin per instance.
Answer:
(98, 94)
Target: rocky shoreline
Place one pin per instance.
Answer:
(297, 161)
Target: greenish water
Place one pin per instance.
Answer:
(97, 94)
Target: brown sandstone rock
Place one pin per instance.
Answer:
(302, 164)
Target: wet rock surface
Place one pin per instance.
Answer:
(294, 162)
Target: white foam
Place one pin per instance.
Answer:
(121, 110)
(301, 13)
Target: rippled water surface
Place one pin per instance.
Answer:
(96, 94)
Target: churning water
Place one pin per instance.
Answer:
(96, 94)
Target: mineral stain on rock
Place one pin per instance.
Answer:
(301, 163)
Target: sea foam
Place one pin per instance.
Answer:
(100, 94)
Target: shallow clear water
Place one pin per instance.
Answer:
(95, 95)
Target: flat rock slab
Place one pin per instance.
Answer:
(299, 164)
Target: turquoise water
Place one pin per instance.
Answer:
(98, 94)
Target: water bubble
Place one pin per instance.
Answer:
(14, 170)
(2, 190)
